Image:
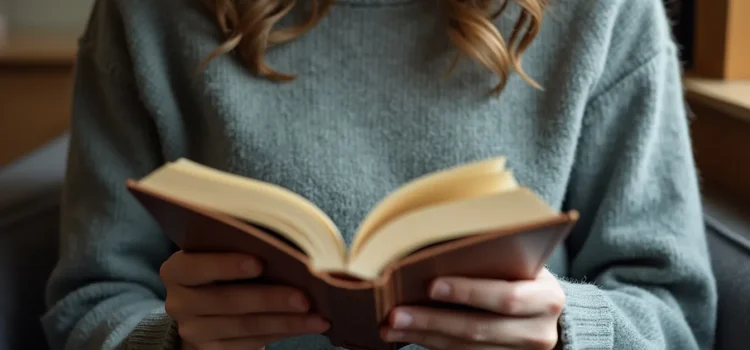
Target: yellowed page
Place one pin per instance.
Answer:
(472, 179)
(281, 210)
(424, 227)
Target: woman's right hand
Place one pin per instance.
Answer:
(213, 315)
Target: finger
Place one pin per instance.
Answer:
(193, 269)
(224, 300)
(478, 327)
(257, 343)
(436, 341)
(210, 328)
(522, 298)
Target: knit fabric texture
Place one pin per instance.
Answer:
(372, 108)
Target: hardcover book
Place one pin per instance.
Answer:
(471, 220)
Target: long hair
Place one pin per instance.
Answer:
(248, 27)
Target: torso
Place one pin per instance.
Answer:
(371, 109)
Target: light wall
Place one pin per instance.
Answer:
(46, 14)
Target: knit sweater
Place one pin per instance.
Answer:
(372, 108)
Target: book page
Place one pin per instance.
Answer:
(452, 220)
(274, 207)
(472, 179)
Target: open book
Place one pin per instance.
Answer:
(470, 220)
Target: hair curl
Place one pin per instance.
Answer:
(248, 27)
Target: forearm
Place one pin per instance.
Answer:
(109, 316)
(640, 275)
(642, 279)
(105, 292)
(630, 318)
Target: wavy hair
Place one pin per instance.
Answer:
(248, 28)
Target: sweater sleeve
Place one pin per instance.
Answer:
(640, 274)
(105, 292)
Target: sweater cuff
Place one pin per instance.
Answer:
(157, 331)
(586, 321)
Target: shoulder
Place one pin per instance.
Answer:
(123, 34)
(615, 26)
(610, 37)
(138, 14)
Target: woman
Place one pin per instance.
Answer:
(342, 103)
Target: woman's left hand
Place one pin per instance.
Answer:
(519, 315)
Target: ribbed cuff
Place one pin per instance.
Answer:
(157, 331)
(586, 321)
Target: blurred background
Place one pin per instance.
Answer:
(37, 57)
(46, 14)
(37, 52)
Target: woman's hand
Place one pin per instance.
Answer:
(520, 315)
(212, 315)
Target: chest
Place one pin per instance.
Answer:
(371, 110)
(345, 151)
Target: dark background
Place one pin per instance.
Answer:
(682, 13)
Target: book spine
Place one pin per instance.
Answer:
(356, 317)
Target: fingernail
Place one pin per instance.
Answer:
(395, 335)
(317, 324)
(298, 302)
(440, 290)
(251, 267)
(402, 320)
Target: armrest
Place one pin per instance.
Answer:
(29, 199)
(728, 229)
(33, 182)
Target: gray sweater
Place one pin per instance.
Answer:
(370, 110)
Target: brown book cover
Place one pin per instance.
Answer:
(358, 308)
